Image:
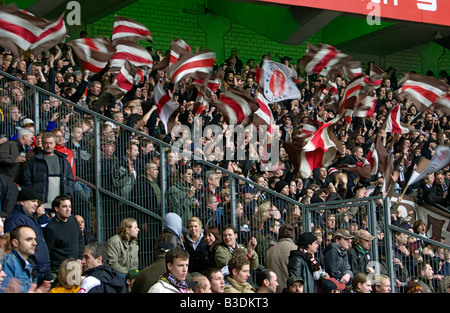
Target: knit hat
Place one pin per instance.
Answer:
(280, 185)
(28, 193)
(286, 231)
(305, 239)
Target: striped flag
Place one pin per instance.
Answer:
(365, 106)
(422, 90)
(321, 59)
(362, 169)
(263, 116)
(178, 48)
(317, 150)
(351, 94)
(135, 53)
(352, 69)
(393, 124)
(93, 54)
(210, 83)
(192, 65)
(165, 105)
(124, 80)
(236, 106)
(21, 31)
(443, 103)
(126, 28)
(377, 156)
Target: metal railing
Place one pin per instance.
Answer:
(102, 200)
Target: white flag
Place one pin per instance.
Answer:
(277, 83)
(440, 160)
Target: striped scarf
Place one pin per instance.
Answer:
(181, 285)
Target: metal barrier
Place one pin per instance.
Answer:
(108, 189)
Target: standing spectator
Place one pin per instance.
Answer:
(173, 280)
(181, 195)
(239, 268)
(195, 244)
(12, 155)
(150, 275)
(49, 172)
(229, 244)
(358, 254)
(267, 282)
(100, 278)
(28, 201)
(303, 264)
(123, 248)
(62, 234)
(125, 174)
(277, 257)
(8, 195)
(146, 192)
(336, 260)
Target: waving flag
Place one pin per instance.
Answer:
(93, 54)
(422, 90)
(236, 106)
(440, 160)
(351, 94)
(135, 53)
(377, 156)
(21, 31)
(317, 150)
(178, 48)
(393, 124)
(210, 83)
(192, 65)
(124, 80)
(352, 69)
(166, 106)
(263, 116)
(126, 28)
(321, 59)
(277, 83)
(443, 103)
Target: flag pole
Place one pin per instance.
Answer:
(403, 193)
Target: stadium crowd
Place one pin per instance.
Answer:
(43, 179)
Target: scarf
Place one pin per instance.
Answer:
(182, 286)
(318, 273)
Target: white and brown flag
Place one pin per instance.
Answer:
(21, 31)
(126, 28)
(124, 80)
(235, 106)
(93, 54)
(322, 59)
(423, 91)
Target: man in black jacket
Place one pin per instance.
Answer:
(49, 172)
(100, 277)
(302, 263)
(62, 234)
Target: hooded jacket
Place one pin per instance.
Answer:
(102, 279)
